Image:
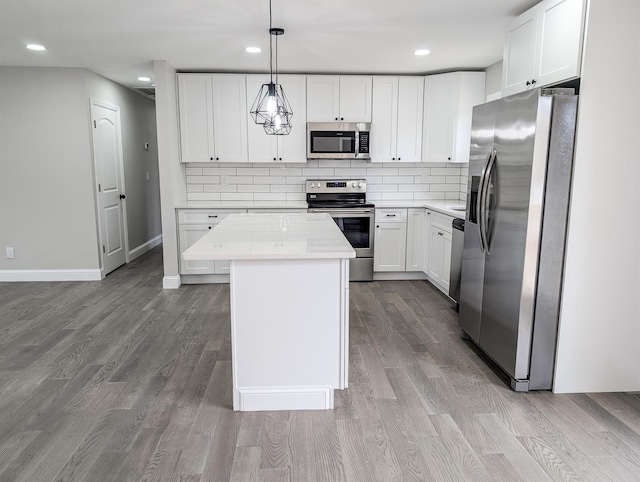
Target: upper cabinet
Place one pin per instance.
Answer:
(289, 148)
(543, 46)
(344, 98)
(396, 126)
(213, 118)
(448, 106)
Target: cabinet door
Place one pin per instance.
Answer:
(293, 147)
(196, 118)
(470, 93)
(230, 118)
(355, 98)
(520, 52)
(323, 98)
(384, 120)
(439, 106)
(261, 147)
(426, 236)
(446, 262)
(415, 239)
(559, 41)
(436, 255)
(390, 245)
(409, 119)
(188, 235)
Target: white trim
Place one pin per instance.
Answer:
(171, 282)
(398, 275)
(50, 275)
(144, 247)
(286, 398)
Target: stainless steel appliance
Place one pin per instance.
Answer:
(338, 140)
(457, 246)
(346, 201)
(517, 204)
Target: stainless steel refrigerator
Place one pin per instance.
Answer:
(517, 204)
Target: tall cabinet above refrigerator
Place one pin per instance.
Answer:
(517, 205)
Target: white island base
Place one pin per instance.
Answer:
(289, 307)
(289, 333)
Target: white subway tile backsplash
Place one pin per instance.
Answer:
(219, 171)
(270, 196)
(285, 182)
(463, 196)
(285, 171)
(287, 188)
(382, 188)
(253, 187)
(350, 172)
(398, 179)
(203, 196)
(220, 188)
(397, 196)
(237, 196)
(269, 180)
(203, 179)
(195, 187)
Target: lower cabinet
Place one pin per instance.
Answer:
(390, 240)
(438, 267)
(415, 239)
(192, 225)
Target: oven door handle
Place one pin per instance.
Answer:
(346, 211)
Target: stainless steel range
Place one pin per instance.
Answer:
(346, 201)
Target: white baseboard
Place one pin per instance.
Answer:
(398, 275)
(295, 398)
(171, 282)
(143, 248)
(21, 275)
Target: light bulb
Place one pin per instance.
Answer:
(271, 105)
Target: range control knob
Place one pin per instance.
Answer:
(360, 185)
(313, 185)
(353, 184)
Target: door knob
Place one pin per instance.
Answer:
(122, 196)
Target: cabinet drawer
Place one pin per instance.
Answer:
(204, 216)
(391, 215)
(440, 221)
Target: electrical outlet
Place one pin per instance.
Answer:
(146, 146)
(10, 253)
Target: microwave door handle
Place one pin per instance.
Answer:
(357, 142)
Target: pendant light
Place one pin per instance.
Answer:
(271, 107)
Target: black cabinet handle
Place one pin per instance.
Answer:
(341, 118)
(213, 215)
(217, 158)
(281, 158)
(533, 81)
(122, 196)
(399, 158)
(209, 227)
(393, 158)
(377, 226)
(274, 158)
(336, 118)
(528, 83)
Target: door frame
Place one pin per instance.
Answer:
(123, 203)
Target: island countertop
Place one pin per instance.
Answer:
(272, 236)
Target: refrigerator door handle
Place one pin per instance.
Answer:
(484, 200)
(480, 203)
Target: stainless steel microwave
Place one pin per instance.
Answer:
(338, 140)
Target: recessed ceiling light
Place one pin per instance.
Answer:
(144, 79)
(36, 47)
(422, 52)
(253, 50)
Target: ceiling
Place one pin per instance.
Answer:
(119, 39)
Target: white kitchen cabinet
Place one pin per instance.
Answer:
(439, 266)
(426, 236)
(288, 148)
(390, 240)
(345, 98)
(192, 225)
(448, 107)
(396, 126)
(415, 239)
(543, 46)
(213, 118)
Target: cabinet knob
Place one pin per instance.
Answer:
(393, 158)
(399, 158)
(377, 226)
(122, 196)
(336, 118)
(341, 118)
(280, 159)
(274, 158)
(440, 234)
(209, 227)
(448, 158)
(528, 83)
(217, 158)
(533, 81)
(211, 158)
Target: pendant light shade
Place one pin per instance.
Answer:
(271, 108)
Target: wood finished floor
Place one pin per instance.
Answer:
(120, 380)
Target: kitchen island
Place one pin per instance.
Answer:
(289, 307)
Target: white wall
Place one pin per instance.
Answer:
(599, 336)
(46, 184)
(47, 201)
(493, 80)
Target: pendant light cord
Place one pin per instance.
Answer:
(271, 46)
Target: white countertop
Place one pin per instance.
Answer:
(272, 236)
(443, 206)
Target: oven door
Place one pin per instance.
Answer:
(356, 225)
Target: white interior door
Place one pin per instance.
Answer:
(107, 154)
